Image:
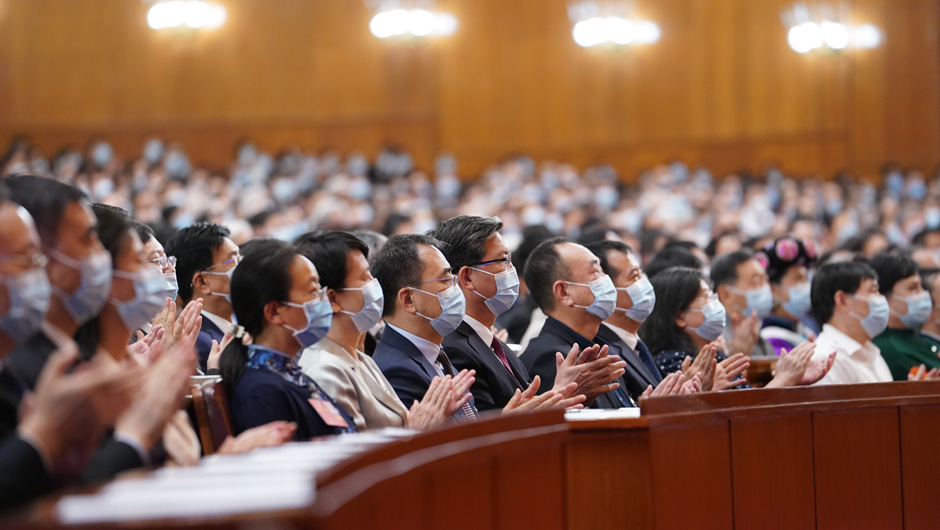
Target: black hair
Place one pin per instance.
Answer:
(675, 289)
(374, 240)
(891, 268)
(782, 254)
(601, 248)
(144, 232)
(392, 222)
(397, 265)
(465, 238)
(725, 268)
(4, 191)
(594, 233)
(543, 268)
(45, 199)
(712, 247)
(845, 276)
(857, 243)
(114, 226)
(328, 250)
(532, 237)
(921, 238)
(194, 247)
(668, 258)
(263, 276)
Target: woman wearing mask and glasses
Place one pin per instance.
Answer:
(277, 298)
(337, 361)
(689, 318)
(788, 262)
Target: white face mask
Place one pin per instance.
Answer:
(373, 302)
(453, 306)
(228, 274)
(605, 297)
(507, 290)
(149, 290)
(643, 297)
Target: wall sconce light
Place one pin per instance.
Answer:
(185, 15)
(409, 20)
(609, 23)
(823, 27)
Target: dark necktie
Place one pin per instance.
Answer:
(467, 408)
(501, 354)
(647, 358)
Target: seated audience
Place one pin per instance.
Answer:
(337, 361)
(901, 343)
(205, 261)
(567, 283)
(490, 285)
(847, 301)
(931, 328)
(277, 298)
(741, 284)
(635, 302)
(787, 262)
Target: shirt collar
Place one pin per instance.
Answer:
(553, 325)
(843, 342)
(427, 348)
(484, 332)
(56, 335)
(630, 339)
(221, 323)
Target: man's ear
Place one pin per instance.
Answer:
(200, 285)
(722, 292)
(463, 278)
(560, 292)
(406, 300)
(841, 301)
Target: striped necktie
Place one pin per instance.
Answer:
(467, 408)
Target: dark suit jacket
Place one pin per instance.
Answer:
(23, 476)
(27, 360)
(539, 359)
(262, 396)
(494, 385)
(207, 333)
(637, 376)
(11, 393)
(516, 320)
(111, 458)
(405, 367)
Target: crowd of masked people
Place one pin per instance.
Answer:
(107, 307)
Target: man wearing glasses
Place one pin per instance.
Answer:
(205, 261)
(422, 305)
(490, 285)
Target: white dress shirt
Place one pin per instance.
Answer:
(221, 323)
(628, 338)
(427, 348)
(855, 363)
(484, 332)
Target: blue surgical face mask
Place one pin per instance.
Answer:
(507, 290)
(919, 307)
(714, 323)
(28, 294)
(799, 303)
(878, 313)
(605, 297)
(643, 297)
(319, 315)
(92, 293)
(149, 288)
(372, 304)
(759, 299)
(228, 274)
(171, 286)
(453, 306)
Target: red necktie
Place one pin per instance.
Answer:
(498, 350)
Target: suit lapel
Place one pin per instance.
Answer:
(486, 353)
(400, 343)
(613, 341)
(384, 395)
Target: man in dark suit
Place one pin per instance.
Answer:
(490, 285)
(205, 259)
(422, 304)
(567, 282)
(635, 301)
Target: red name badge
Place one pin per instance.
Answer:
(328, 413)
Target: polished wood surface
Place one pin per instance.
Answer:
(721, 87)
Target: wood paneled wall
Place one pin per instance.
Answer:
(721, 87)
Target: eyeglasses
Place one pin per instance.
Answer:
(165, 260)
(507, 261)
(36, 260)
(233, 262)
(451, 281)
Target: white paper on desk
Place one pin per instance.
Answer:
(602, 414)
(163, 499)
